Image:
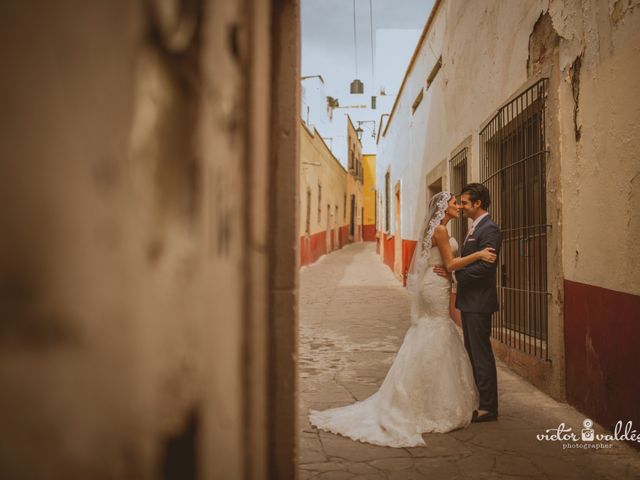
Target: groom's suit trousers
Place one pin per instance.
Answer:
(476, 327)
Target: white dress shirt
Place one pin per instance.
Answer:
(475, 224)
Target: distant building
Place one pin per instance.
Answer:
(330, 195)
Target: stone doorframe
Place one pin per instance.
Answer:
(281, 412)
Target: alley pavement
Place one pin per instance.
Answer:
(353, 316)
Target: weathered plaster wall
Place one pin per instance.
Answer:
(136, 336)
(600, 122)
(600, 152)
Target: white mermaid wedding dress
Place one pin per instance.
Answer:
(430, 386)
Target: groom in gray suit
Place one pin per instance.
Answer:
(477, 297)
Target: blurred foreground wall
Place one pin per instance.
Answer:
(147, 267)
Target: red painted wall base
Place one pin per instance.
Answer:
(369, 233)
(408, 247)
(314, 246)
(389, 250)
(602, 335)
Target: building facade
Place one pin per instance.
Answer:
(331, 202)
(547, 125)
(355, 205)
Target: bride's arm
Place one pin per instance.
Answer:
(441, 237)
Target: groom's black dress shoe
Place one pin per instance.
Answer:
(487, 417)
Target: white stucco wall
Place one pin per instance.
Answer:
(485, 47)
(483, 63)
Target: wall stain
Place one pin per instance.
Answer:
(574, 76)
(25, 319)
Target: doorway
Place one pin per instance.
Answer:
(397, 242)
(336, 240)
(328, 238)
(352, 219)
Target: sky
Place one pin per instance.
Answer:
(327, 33)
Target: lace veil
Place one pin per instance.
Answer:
(420, 261)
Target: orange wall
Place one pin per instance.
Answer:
(314, 246)
(408, 247)
(389, 251)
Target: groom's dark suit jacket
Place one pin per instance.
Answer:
(477, 290)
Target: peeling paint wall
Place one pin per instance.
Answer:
(599, 127)
(600, 152)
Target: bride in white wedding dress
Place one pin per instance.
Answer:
(430, 386)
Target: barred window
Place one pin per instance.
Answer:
(458, 176)
(434, 71)
(513, 166)
(417, 101)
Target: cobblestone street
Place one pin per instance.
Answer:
(353, 316)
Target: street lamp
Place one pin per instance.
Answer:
(359, 129)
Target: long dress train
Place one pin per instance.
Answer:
(429, 387)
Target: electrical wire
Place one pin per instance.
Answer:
(371, 29)
(355, 43)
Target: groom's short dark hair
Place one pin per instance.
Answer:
(477, 191)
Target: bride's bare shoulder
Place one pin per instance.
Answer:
(440, 233)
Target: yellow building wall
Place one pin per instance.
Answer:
(369, 189)
(323, 186)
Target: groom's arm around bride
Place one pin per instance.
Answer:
(477, 290)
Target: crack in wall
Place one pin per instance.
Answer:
(574, 76)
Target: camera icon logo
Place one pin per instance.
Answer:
(588, 433)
